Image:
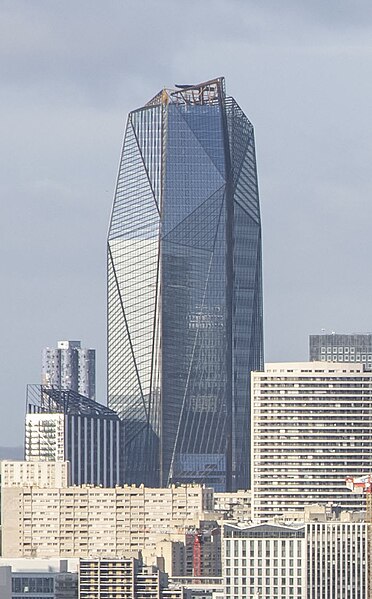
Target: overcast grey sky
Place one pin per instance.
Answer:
(70, 72)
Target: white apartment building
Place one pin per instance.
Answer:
(267, 560)
(34, 474)
(93, 521)
(311, 427)
(317, 560)
(337, 560)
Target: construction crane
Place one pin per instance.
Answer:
(363, 484)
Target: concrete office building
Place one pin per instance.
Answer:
(355, 347)
(62, 425)
(69, 366)
(311, 427)
(185, 290)
(93, 521)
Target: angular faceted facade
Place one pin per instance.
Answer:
(184, 289)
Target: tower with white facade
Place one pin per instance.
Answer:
(311, 427)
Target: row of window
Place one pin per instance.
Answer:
(357, 358)
(340, 350)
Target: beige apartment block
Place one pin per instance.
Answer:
(311, 427)
(93, 521)
(34, 474)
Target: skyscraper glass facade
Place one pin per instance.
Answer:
(184, 289)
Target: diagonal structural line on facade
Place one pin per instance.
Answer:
(201, 373)
(188, 419)
(175, 447)
(179, 362)
(126, 325)
(128, 442)
(240, 176)
(188, 216)
(146, 169)
(222, 174)
(154, 335)
(189, 374)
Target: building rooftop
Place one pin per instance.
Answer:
(314, 367)
(207, 92)
(55, 400)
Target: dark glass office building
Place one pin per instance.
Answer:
(336, 347)
(185, 290)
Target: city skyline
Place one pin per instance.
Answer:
(185, 289)
(301, 77)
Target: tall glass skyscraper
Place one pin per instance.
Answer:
(185, 290)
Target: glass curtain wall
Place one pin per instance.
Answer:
(184, 289)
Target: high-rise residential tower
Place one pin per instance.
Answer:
(70, 366)
(311, 428)
(184, 289)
